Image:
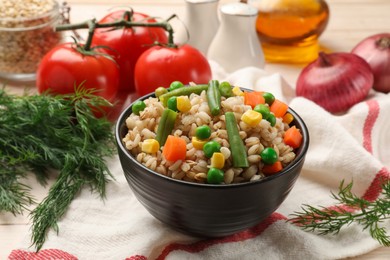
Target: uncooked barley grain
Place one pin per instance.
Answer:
(26, 34)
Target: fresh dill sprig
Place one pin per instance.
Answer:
(42, 133)
(14, 195)
(352, 209)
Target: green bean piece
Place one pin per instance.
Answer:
(214, 97)
(184, 91)
(165, 126)
(225, 89)
(237, 147)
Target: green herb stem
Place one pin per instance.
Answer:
(15, 196)
(46, 215)
(352, 209)
(42, 133)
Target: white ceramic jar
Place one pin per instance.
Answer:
(236, 44)
(201, 23)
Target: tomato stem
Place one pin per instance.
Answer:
(124, 22)
(128, 15)
(91, 31)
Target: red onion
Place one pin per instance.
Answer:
(376, 51)
(335, 81)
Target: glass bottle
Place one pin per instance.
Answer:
(289, 29)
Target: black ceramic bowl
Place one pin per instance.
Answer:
(208, 210)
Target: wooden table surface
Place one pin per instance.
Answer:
(350, 21)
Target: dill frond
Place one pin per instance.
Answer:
(39, 133)
(351, 209)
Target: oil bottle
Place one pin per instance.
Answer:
(289, 29)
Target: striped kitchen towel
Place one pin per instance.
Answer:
(352, 146)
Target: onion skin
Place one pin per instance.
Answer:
(335, 81)
(376, 51)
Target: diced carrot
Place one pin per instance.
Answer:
(293, 137)
(288, 118)
(175, 149)
(272, 168)
(253, 98)
(279, 108)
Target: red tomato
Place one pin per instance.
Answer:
(160, 66)
(128, 44)
(64, 68)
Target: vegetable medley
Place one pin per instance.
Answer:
(213, 133)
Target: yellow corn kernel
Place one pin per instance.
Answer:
(218, 160)
(150, 146)
(288, 118)
(237, 91)
(183, 103)
(251, 118)
(198, 144)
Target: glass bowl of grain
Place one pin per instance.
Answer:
(26, 35)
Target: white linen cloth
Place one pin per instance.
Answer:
(351, 146)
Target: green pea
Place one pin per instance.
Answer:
(269, 98)
(203, 132)
(138, 106)
(272, 119)
(225, 89)
(215, 176)
(269, 156)
(175, 85)
(172, 104)
(160, 91)
(263, 110)
(211, 147)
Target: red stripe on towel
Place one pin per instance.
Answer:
(383, 175)
(373, 113)
(41, 255)
(372, 193)
(240, 236)
(375, 188)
